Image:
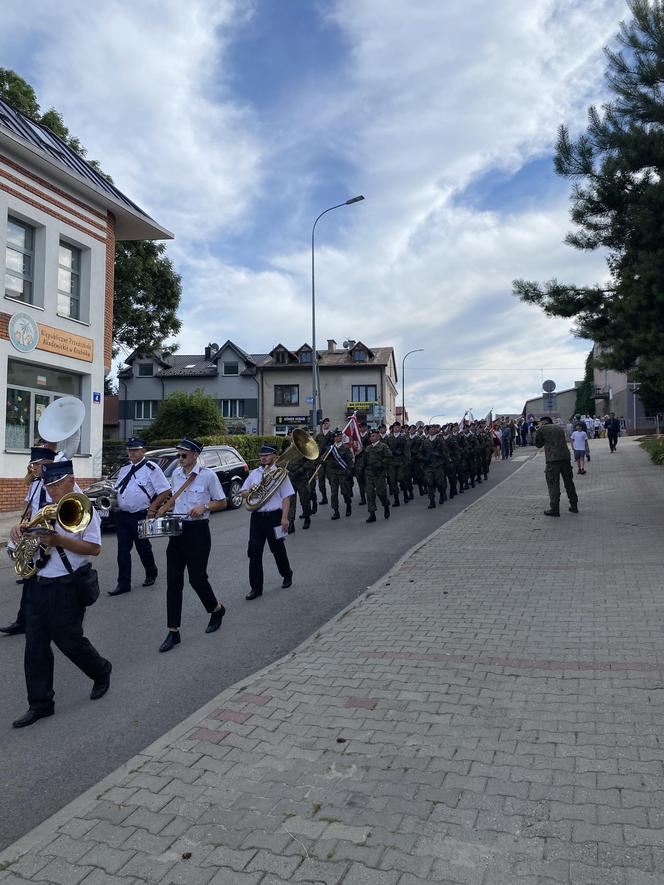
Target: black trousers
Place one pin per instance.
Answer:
(261, 529)
(190, 550)
(53, 613)
(127, 532)
(613, 441)
(20, 617)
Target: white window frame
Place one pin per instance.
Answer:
(76, 276)
(27, 278)
(140, 406)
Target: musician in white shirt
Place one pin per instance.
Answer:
(197, 493)
(140, 488)
(54, 606)
(265, 521)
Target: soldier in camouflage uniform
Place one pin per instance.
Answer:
(323, 440)
(300, 471)
(360, 458)
(429, 466)
(451, 467)
(378, 457)
(397, 444)
(442, 462)
(417, 479)
(339, 472)
(558, 463)
(408, 464)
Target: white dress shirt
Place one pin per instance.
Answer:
(33, 497)
(205, 488)
(134, 499)
(55, 567)
(285, 490)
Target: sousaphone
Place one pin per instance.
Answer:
(61, 423)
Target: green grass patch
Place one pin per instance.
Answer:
(654, 446)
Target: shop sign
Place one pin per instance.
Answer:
(23, 332)
(292, 420)
(364, 406)
(66, 343)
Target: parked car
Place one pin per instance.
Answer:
(225, 461)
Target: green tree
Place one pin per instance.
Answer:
(186, 414)
(617, 173)
(147, 289)
(585, 404)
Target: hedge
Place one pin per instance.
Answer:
(655, 448)
(114, 452)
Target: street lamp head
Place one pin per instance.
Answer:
(354, 200)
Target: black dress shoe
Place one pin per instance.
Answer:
(432, 505)
(31, 717)
(172, 639)
(573, 508)
(386, 511)
(215, 620)
(307, 523)
(119, 590)
(14, 629)
(335, 514)
(291, 527)
(149, 580)
(287, 582)
(372, 517)
(552, 513)
(101, 686)
(349, 509)
(254, 594)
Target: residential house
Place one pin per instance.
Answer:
(355, 378)
(227, 373)
(59, 221)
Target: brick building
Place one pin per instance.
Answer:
(60, 219)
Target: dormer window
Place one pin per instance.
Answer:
(305, 356)
(145, 370)
(280, 356)
(359, 355)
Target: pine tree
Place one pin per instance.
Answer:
(617, 169)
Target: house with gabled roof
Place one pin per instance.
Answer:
(354, 378)
(228, 373)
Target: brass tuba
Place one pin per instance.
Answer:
(73, 513)
(303, 444)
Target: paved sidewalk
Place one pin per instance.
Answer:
(488, 714)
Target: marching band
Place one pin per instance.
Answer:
(60, 532)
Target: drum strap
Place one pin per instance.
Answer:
(169, 502)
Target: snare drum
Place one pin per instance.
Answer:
(160, 527)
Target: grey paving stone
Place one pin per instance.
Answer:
(109, 859)
(361, 875)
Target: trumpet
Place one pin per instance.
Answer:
(72, 513)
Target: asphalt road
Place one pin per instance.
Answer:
(47, 765)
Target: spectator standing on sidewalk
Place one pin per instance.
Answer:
(579, 445)
(612, 425)
(551, 438)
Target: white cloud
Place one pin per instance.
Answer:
(430, 98)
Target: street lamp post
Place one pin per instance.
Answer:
(403, 382)
(314, 360)
(440, 415)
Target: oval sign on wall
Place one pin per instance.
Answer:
(23, 332)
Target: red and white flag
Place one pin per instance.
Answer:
(352, 438)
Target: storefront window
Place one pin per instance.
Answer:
(30, 389)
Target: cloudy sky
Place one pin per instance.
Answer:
(236, 122)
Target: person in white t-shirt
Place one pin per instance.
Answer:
(579, 439)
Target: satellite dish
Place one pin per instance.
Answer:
(61, 423)
(549, 386)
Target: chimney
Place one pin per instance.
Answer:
(210, 351)
(331, 345)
